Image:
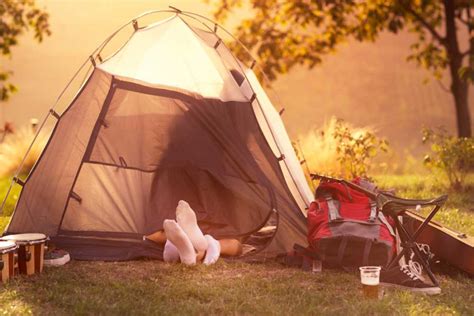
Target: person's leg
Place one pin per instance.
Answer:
(230, 247)
(200, 255)
(216, 248)
(170, 250)
(159, 237)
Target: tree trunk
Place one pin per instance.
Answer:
(460, 91)
(459, 86)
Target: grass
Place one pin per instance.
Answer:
(458, 212)
(153, 287)
(13, 197)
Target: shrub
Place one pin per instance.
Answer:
(318, 149)
(452, 155)
(340, 149)
(14, 148)
(356, 149)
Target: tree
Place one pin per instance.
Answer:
(17, 17)
(286, 33)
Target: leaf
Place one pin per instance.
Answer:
(17, 17)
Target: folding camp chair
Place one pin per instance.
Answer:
(394, 207)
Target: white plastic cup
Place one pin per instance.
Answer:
(370, 279)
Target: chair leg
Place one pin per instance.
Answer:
(426, 222)
(409, 243)
(425, 265)
(405, 241)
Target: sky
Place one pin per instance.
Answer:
(367, 84)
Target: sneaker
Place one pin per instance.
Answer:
(404, 278)
(415, 266)
(425, 252)
(56, 257)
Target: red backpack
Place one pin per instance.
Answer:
(346, 229)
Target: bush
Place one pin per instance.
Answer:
(452, 155)
(14, 148)
(339, 149)
(356, 149)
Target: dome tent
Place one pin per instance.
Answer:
(171, 115)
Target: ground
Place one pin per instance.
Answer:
(146, 286)
(152, 287)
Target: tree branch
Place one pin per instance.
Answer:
(459, 16)
(460, 19)
(429, 27)
(467, 52)
(442, 86)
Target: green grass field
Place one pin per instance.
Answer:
(153, 287)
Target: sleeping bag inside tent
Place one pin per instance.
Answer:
(171, 116)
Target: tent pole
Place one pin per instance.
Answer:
(20, 167)
(104, 44)
(304, 158)
(216, 26)
(190, 15)
(100, 47)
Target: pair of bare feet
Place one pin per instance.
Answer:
(185, 241)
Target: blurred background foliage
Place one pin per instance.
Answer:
(284, 34)
(16, 18)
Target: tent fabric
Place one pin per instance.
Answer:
(276, 131)
(168, 117)
(170, 54)
(44, 195)
(182, 147)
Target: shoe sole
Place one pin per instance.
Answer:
(428, 290)
(58, 261)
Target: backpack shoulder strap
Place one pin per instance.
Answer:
(333, 208)
(386, 223)
(373, 212)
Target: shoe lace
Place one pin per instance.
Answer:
(412, 273)
(414, 266)
(426, 250)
